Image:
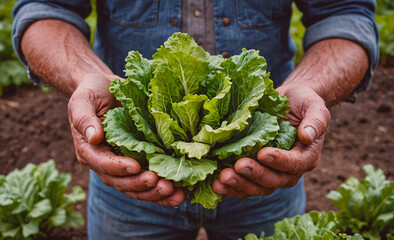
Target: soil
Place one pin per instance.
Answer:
(34, 128)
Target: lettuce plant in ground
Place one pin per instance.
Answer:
(186, 115)
(367, 205)
(367, 210)
(11, 70)
(33, 201)
(313, 225)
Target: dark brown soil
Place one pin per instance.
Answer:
(34, 128)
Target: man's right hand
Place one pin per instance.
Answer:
(87, 105)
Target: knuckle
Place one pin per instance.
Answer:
(292, 182)
(121, 187)
(107, 181)
(133, 195)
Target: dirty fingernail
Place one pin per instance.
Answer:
(231, 181)
(174, 204)
(246, 171)
(268, 159)
(162, 192)
(224, 191)
(311, 133)
(89, 133)
(131, 170)
(149, 184)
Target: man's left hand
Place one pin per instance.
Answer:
(278, 168)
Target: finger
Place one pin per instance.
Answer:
(227, 190)
(163, 189)
(82, 116)
(300, 159)
(100, 159)
(230, 178)
(314, 123)
(141, 182)
(174, 199)
(221, 188)
(264, 176)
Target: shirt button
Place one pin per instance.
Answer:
(225, 54)
(197, 13)
(226, 21)
(173, 22)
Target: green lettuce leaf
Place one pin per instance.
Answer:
(182, 42)
(212, 136)
(138, 70)
(189, 171)
(218, 105)
(120, 132)
(286, 136)
(136, 101)
(187, 71)
(192, 149)
(305, 227)
(165, 90)
(246, 72)
(168, 128)
(187, 112)
(204, 195)
(262, 129)
(272, 102)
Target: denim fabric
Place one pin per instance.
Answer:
(113, 215)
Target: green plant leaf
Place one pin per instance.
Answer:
(167, 127)
(285, 137)
(204, 194)
(74, 219)
(247, 72)
(135, 100)
(181, 42)
(189, 171)
(262, 129)
(31, 228)
(187, 71)
(187, 112)
(272, 102)
(239, 122)
(165, 90)
(218, 105)
(192, 149)
(40, 209)
(138, 70)
(119, 132)
(58, 218)
(75, 196)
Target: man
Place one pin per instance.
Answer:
(50, 37)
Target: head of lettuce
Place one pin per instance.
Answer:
(187, 115)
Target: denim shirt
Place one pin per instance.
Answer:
(143, 25)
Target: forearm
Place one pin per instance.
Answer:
(332, 68)
(60, 55)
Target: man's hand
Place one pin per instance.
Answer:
(90, 101)
(277, 168)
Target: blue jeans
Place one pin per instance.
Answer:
(114, 216)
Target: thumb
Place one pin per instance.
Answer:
(314, 123)
(82, 116)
